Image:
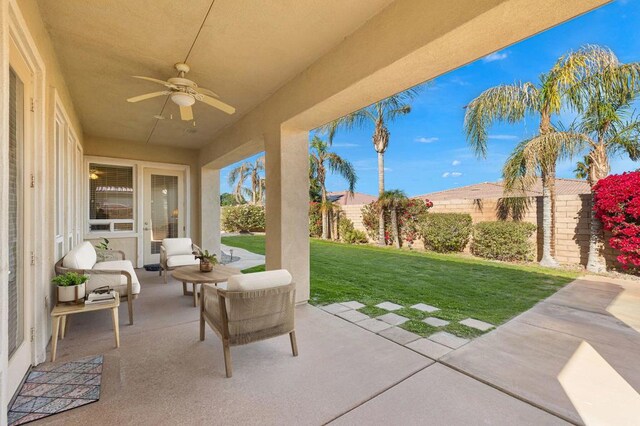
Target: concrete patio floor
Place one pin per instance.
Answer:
(162, 373)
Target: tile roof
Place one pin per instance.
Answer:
(343, 198)
(495, 190)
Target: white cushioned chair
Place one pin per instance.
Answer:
(176, 252)
(254, 307)
(118, 274)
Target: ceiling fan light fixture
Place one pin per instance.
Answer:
(182, 99)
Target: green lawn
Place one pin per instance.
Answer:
(461, 286)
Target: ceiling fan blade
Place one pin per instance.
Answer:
(204, 91)
(147, 96)
(154, 80)
(186, 113)
(218, 104)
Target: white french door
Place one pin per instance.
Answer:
(20, 282)
(163, 210)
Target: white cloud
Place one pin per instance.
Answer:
(426, 140)
(503, 137)
(451, 174)
(459, 81)
(345, 145)
(367, 165)
(456, 163)
(495, 56)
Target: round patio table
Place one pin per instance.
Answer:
(191, 274)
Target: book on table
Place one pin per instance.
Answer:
(95, 298)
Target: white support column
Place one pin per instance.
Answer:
(210, 210)
(287, 206)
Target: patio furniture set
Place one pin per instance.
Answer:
(252, 307)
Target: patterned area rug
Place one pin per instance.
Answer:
(54, 388)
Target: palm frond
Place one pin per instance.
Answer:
(344, 168)
(392, 198)
(510, 103)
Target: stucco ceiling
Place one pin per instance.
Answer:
(245, 50)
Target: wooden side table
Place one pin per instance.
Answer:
(192, 274)
(59, 316)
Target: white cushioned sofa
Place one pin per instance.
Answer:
(176, 252)
(118, 274)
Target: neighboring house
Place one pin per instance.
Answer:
(486, 190)
(343, 198)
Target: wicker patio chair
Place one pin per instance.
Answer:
(254, 307)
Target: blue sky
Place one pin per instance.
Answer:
(428, 150)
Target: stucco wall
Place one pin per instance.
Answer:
(161, 154)
(572, 223)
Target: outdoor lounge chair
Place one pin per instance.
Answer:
(118, 274)
(176, 252)
(254, 307)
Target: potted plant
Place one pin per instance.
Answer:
(207, 260)
(71, 287)
(101, 250)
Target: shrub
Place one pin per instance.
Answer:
(315, 220)
(446, 232)
(370, 220)
(503, 240)
(409, 218)
(243, 218)
(349, 234)
(616, 203)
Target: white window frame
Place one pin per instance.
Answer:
(112, 232)
(68, 189)
(138, 182)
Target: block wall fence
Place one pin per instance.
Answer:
(573, 213)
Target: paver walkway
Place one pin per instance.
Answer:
(246, 260)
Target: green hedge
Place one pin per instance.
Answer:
(349, 234)
(446, 232)
(243, 218)
(503, 240)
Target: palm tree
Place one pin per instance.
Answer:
(582, 168)
(252, 171)
(608, 127)
(392, 200)
(379, 115)
(512, 103)
(321, 160)
(538, 157)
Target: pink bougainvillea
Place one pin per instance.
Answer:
(617, 205)
(409, 216)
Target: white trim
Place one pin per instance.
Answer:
(138, 177)
(35, 199)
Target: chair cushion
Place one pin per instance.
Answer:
(181, 260)
(259, 280)
(120, 265)
(82, 256)
(175, 246)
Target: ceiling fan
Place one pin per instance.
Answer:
(184, 93)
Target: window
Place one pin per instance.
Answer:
(60, 125)
(111, 198)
